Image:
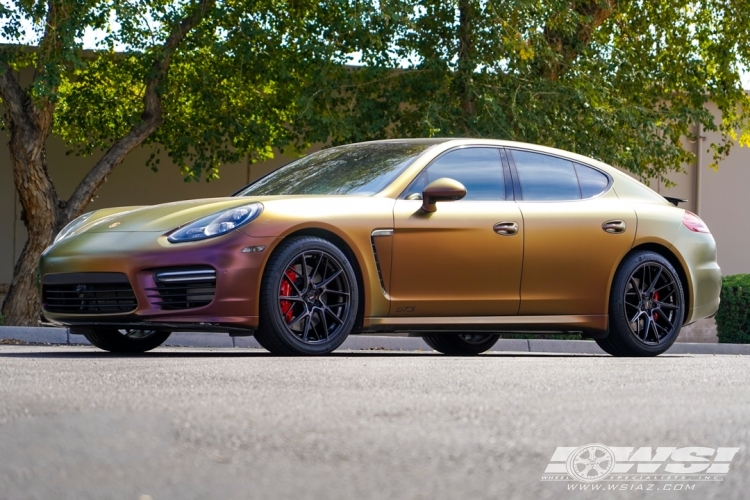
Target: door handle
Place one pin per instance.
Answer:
(506, 228)
(614, 226)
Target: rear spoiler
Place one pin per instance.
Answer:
(674, 201)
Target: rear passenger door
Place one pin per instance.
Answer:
(576, 231)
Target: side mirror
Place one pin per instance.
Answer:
(443, 189)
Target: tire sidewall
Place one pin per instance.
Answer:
(270, 315)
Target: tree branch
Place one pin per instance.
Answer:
(12, 94)
(566, 43)
(151, 118)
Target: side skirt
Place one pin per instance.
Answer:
(593, 326)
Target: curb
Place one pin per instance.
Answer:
(61, 336)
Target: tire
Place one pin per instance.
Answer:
(320, 304)
(131, 341)
(646, 307)
(605, 346)
(460, 344)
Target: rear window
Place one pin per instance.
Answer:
(592, 181)
(546, 178)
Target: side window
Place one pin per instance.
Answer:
(478, 169)
(591, 180)
(546, 178)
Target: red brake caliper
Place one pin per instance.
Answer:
(286, 290)
(656, 297)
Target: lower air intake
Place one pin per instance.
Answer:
(88, 293)
(183, 288)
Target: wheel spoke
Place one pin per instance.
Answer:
(295, 320)
(653, 281)
(666, 305)
(317, 266)
(646, 327)
(329, 279)
(337, 292)
(635, 317)
(291, 281)
(665, 318)
(322, 316)
(304, 269)
(307, 327)
(333, 315)
(291, 297)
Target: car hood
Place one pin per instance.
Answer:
(160, 218)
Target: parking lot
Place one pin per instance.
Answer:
(237, 423)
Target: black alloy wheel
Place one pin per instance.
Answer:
(647, 307)
(309, 298)
(126, 341)
(461, 344)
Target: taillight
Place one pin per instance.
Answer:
(694, 223)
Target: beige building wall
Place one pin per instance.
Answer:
(720, 197)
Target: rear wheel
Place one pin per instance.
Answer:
(646, 307)
(461, 344)
(113, 340)
(309, 298)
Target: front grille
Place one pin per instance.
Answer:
(88, 293)
(183, 288)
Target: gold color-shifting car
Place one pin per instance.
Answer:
(454, 240)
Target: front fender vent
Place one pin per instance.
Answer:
(183, 288)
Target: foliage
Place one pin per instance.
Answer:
(624, 82)
(233, 87)
(733, 318)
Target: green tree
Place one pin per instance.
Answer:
(208, 81)
(625, 82)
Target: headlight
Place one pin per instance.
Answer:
(72, 226)
(217, 224)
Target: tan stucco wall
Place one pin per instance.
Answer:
(724, 195)
(721, 198)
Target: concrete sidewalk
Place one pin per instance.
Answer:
(363, 342)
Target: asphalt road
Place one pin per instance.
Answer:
(199, 423)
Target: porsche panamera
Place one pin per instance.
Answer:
(454, 240)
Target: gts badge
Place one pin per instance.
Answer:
(406, 310)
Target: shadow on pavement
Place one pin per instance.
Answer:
(230, 352)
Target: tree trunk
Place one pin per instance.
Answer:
(41, 215)
(29, 124)
(466, 63)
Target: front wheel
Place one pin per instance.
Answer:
(132, 341)
(646, 306)
(309, 298)
(460, 344)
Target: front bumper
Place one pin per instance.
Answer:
(138, 254)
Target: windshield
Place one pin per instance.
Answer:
(357, 169)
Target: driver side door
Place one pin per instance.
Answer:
(465, 258)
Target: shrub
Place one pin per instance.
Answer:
(733, 317)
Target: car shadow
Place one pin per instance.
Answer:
(86, 352)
